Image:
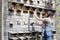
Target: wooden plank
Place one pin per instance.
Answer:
(0, 19)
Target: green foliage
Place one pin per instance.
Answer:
(58, 28)
(58, 31)
(58, 25)
(58, 17)
(58, 8)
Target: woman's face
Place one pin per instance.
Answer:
(46, 15)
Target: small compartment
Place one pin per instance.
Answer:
(25, 1)
(38, 2)
(33, 35)
(38, 14)
(19, 6)
(21, 34)
(11, 12)
(10, 5)
(12, 36)
(10, 25)
(18, 12)
(28, 34)
(25, 8)
(31, 13)
(32, 9)
(18, 22)
(25, 12)
(31, 2)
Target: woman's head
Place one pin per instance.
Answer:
(47, 14)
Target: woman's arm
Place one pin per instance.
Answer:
(41, 19)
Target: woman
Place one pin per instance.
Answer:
(46, 26)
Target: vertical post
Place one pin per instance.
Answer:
(36, 32)
(17, 35)
(28, 22)
(22, 1)
(28, 2)
(22, 16)
(14, 12)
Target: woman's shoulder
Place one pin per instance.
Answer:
(48, 19)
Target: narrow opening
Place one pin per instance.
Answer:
(25, 1)
(40, 9)
(51, 5)
(32, 9)
(14, 5)
(31, 14)
(18, 22)
(38, 14)
(11, 25)
(21, 34)
(38, 2)
(18, 13)
(10, 12)
(31, 2)
(28, 34)
(13, 35)
(25, 12)
(27, 8)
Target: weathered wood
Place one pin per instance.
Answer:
(0, 19)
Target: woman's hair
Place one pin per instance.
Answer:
(49, 14)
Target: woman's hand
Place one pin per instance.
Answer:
(40, 19)
(38, 24)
